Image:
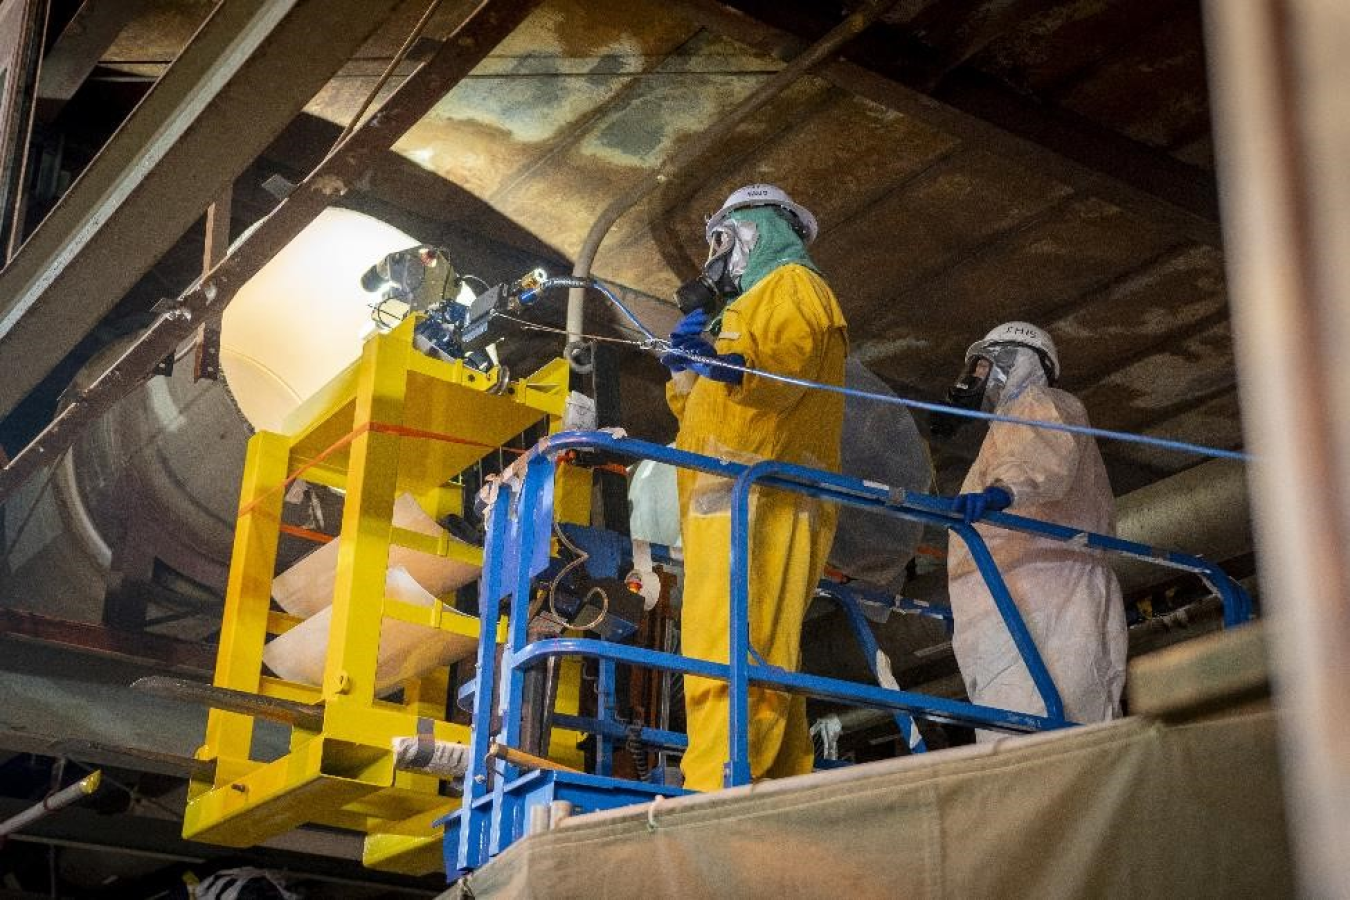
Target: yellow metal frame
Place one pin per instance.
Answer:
(370, 432)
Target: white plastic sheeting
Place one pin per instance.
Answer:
(880, 443)
(406, 650)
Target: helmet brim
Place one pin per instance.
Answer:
(980, 347)
(802, 214)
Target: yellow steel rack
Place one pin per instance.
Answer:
(395, 422)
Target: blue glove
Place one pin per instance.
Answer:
(677, 362)
(973, 506)
(719, 373)
(691, 326)
(688, 337)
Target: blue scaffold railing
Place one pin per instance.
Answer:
(497, 793)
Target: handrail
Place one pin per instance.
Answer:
(913, 505)
(517, 551)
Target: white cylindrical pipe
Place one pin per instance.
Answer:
(161, 470)
(59, 800)
(303, 318)
(1203, 510)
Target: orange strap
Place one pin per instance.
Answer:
(569, 458)
(317, 537)
(378, 428)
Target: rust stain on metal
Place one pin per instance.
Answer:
(928, 227)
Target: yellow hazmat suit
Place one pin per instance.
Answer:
(1068, 595)
(789, 323)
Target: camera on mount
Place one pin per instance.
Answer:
(455, 323)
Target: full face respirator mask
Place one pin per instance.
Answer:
(720, 280)
(978, 387)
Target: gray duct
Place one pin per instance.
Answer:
(153, 483)
(1203, 510)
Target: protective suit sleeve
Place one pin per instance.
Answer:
(677, 392)
(1037, 465)
(784, 331)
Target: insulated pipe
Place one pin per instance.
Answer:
(153, 485)
(677, 165)
(61, 799)
(1203, 510)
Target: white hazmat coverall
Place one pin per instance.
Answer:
(1068, 595)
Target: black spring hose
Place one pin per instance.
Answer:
(638, 750)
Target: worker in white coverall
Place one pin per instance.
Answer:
(1068, 595)
(781, 318)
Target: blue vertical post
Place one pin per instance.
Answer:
(533, 511)
(1237, 603)
(472, 850)
(605, 702)
(868, 642)
(1012, 619)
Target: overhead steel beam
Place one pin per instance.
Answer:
(488, 22)
(156, 650)
(1144, 183)
(78, 49)
(250, 68)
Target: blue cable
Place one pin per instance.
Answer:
(609, 295)
(1089, 431)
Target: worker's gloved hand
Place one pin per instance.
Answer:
(691, 327)
(721, 373)
(676, 361)
(974, 506)
(688, 336)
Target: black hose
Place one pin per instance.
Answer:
(638, 750)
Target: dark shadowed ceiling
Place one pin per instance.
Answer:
(970, 162)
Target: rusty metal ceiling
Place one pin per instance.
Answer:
(969, 162)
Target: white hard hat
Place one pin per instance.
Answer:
(764, 195)
(1025, 334)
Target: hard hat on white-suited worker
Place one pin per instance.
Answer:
(766, 195)
(1023, 334)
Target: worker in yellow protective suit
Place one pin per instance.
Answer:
(787, 321)
(1067, 594)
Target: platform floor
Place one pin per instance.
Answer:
(1134, 808)
(1185, 803)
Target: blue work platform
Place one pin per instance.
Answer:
(498, 795)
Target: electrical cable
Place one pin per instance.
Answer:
(395, 61)
(466, 276)
(1088, 430)
(581, 557)
(535, 326)
(660, 346)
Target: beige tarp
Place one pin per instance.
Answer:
(1132, 808)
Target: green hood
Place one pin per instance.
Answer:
(778, 245)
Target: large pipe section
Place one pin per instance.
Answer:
(1203, 510)
(154, 483)
(677, 166)
(485, 27)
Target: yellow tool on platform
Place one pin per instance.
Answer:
(395, 423)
